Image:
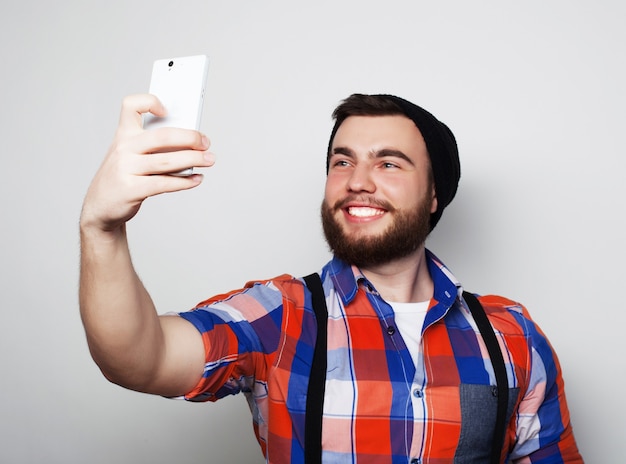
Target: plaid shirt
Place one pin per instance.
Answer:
(379, 405)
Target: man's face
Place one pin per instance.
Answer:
(379, 194)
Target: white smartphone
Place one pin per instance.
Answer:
(179, 83)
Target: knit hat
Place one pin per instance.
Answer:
(442, 151)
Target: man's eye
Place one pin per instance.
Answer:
(388, 165)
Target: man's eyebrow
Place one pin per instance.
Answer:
(343, 151)
(382, 153)
(385, 152)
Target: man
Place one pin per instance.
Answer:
(408, 378)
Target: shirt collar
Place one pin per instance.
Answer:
(347, 278)
(447, 289)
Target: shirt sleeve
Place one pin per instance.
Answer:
(543, 429)
(240, 330)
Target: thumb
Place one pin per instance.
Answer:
(135, 106)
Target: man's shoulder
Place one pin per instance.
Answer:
(507, 315)
(279, 279)
(498, 303)
(288, 285)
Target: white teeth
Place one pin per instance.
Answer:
(364, 211)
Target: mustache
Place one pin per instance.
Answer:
(365, 201)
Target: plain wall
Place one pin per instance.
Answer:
(534, 92)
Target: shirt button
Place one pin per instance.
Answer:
(391, 330)
(417, 393)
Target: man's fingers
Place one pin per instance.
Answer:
(164, 163)
(134, 106)
(155, 185)
(168, 139)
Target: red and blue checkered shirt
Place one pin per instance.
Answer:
(380, 406)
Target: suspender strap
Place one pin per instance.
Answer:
(489, 336)
(317, 379)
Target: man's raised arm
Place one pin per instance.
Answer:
(132, 345)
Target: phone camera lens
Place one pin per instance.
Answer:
(170, 64)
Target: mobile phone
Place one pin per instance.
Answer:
(179, 83)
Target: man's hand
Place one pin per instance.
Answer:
(137, 165)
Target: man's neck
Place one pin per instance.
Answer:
(406, 280)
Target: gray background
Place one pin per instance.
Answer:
(533, 91)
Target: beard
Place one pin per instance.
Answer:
(404, 236)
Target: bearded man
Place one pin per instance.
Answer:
(395, 366)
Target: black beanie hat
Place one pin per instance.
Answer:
(442, 151)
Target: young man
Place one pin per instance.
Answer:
(408, 377)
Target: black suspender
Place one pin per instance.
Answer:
(495, 354)
(317, 378)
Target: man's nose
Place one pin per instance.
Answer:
(361, 180)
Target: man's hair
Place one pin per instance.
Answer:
(361, 105)
(365, 105)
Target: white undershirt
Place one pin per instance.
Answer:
(409, 320)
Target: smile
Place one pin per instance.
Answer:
(364, 211)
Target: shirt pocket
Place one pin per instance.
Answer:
(479, 407)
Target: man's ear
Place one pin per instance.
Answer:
(434, 204)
